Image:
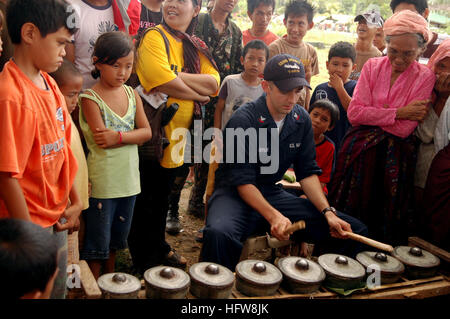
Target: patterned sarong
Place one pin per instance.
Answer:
(373, 182)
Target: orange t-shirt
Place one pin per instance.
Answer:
(268, 38)
(35, 136)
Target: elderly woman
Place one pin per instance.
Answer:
(436, 221)
(439, 63)
(375, 169)
(188, 75)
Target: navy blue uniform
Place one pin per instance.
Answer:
(230, 220)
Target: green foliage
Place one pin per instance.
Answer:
(349, 7)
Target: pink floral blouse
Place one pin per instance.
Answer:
(375, 103)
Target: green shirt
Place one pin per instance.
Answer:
(113, 172)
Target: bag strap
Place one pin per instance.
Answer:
(166, 41)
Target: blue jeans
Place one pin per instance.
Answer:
(108, 223)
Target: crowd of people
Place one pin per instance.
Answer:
(84, 80)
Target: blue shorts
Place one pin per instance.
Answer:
(108, 223)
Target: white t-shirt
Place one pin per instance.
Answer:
(236, 92)
(280, 124)
(94, 21)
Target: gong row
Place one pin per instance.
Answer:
(298, 275)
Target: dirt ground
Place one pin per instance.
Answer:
(184, 243)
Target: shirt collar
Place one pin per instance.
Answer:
(264, 118)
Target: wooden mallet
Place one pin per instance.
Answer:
(370, 242)
(295, 226)
(275, 243)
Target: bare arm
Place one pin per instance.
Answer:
(218, 113)
(344, 98)
(71, 213)
(307, 98)
(336, 83)
(12, 195)
(203, 84)
(313, 190)
(107, 138)
(143, 131)
(70, 52)
(92, 114)
(178, 89)
(308, 75)
(253, 197)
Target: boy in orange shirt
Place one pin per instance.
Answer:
(260, 13)
(37, 166)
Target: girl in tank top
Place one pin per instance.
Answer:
(113, 122)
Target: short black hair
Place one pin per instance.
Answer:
(342, 49)
(47, 15)
(65, 71)
(111, 46)
(258, 45)
(299, 8)
(420, 5)
(253, 4)
(330, 107)
(28, 257)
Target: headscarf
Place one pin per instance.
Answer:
(191, 45)
(407, 21)
(442, 52)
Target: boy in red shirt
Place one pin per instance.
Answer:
(37, 167)
(324, 114)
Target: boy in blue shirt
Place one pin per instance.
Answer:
(339, 88)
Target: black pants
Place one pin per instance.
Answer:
(147, 241)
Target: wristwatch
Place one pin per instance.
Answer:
(329, 209)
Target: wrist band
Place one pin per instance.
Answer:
(329, 209)
(120, 137)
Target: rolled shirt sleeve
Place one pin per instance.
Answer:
(238, 173)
